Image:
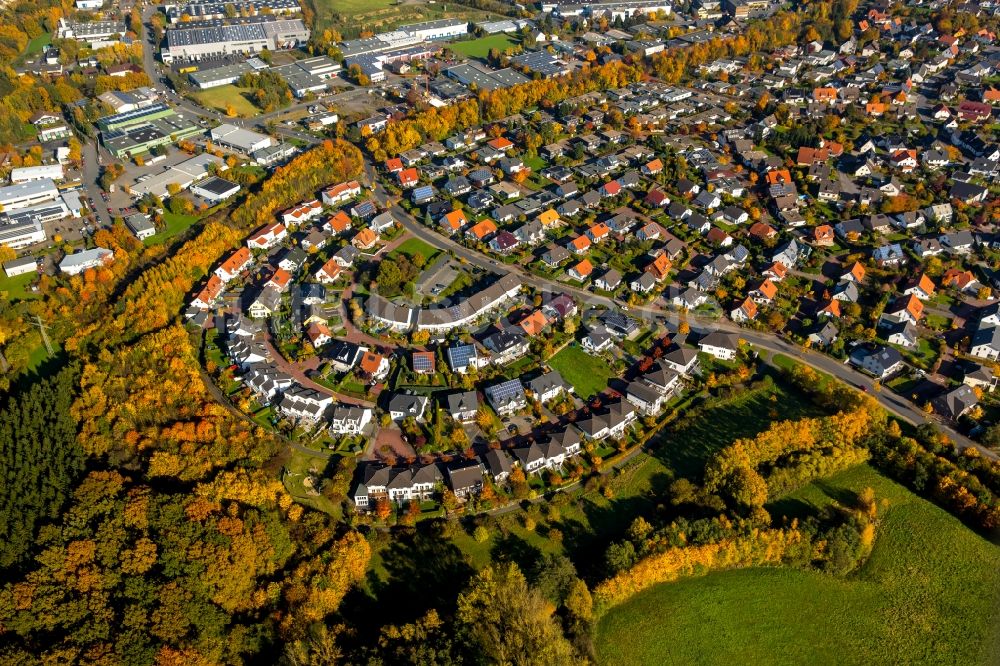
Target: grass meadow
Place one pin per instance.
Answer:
(927, 594)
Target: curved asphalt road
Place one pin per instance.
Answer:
(769, 342)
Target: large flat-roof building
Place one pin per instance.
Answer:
(208, 11)
(201, 40)
(74, 264)
(20, 235)
(95, 33)
(123, 102)
(239, 139)
(484, 78)
(308, 76)
(20, 266)
(215, 190)
(135, 132)
(24, 195)
(439, 29)
(219, 76)
(183, 175)
(43, 172)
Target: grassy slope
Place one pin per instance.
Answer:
(927, 595)
(588, 374)
(689, 443)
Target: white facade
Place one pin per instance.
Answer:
(20, 266)
(23, 195)
(236, 138)
(43, 172)
(17, 236)
(74, 264)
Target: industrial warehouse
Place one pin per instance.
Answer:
(215, 38)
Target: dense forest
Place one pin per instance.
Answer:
(146, 523)
(40, 458)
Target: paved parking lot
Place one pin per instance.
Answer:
(437, 277)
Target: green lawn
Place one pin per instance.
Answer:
(172, 225)
(588, 374)
(35, 47)
(686, 445)
(927, 594)
(301, 466)
(412, 246)
(351, 16)
(222, 96)
(480, 48)
(16, 288)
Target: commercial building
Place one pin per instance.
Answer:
(215, 190)
(89, 4)
(440, 29)
(95, 33)
(207, 11)
(123, 102)
(308, 76)
(542, 62)
(200, 40)
(220, 76)
(75, 264)
(484, 78)
(20, 266)
(183, 175)
(125, 119)
(20, 235)
(41, 213)
(135, 132)
(238, 139)
(274, 154)
(28, 194)
(43, 172)
(140, 225)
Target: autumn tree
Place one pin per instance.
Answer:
(508, 622)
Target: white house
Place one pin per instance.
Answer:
(721, 345)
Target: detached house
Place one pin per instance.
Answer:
(267, 236)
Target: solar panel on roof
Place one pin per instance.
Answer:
(509, 389)
(461, 355)
(423, 362)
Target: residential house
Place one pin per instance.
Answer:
(721, 345)
(956, 403)
(506, 397)
(405, 405)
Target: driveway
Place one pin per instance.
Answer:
(299, 375)
(389, 441)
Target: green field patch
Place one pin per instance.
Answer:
(414, 246)
(480, 48)
(588, 374)
(35, 47)
(16, 288)
(926, 594)
(222, 97)
(173, 224)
